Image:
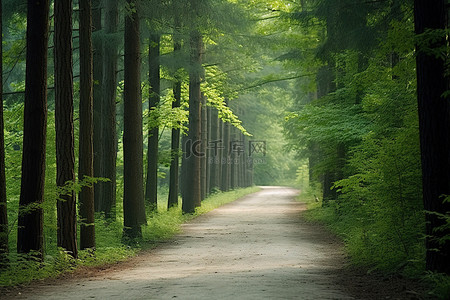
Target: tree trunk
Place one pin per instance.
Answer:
(327, 183)
(65, 157)
(210, 151)
(225, 160)
(109, 84)
(151, 188)
(174, 167)
(133, 197)
(203, 146)
(86, 163)
(214, 157)
(434, 127)
(233, 157)
(97, 43)
(4, 248)
(30, 222)
(220, 150)
(175, 145)
(192, 196)
(183, 176)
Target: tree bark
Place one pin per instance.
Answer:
(233, 156)
(4, 248)
(97, 44)
(133, 197)
(109, 84)
(65, 157)
(86, 162)
(203, 146)
(175, 143)
(225, 160)
(30, 221)
(209, 150)
(214, 158)
(434, 127)
(151, 188)
(192, 196)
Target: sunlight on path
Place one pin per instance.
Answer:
(254, 248)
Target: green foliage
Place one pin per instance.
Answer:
(445, 218)
(378, 208)
(219, 199)
(217, 96)
(440, 284)
(24, 268)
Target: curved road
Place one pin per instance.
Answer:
(254, 248)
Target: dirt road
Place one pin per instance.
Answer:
(254, 248)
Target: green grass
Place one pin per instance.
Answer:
(164, 224)
(161, 226)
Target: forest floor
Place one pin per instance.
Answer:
(258, 247)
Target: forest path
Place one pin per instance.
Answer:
(255, 248)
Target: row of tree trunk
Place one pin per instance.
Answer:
(210, 162)
(222, 159)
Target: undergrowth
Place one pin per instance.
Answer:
(377, 242)
(161, 226)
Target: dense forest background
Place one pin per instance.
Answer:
(123, 118)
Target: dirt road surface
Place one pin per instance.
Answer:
(255, 248)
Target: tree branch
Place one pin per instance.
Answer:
(262, 82)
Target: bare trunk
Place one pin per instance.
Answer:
(434, 127)
(4, 248)
(225, 160)
(30, 224)
(175, 143)
(192, 196)
(97, 43)
(133, 197)
(215, 145)
(109, 84)
(151, 188)
(65, 157)
(86, 162)
(175, 149)
(203, 159)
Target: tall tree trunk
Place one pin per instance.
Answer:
(209, 150)
(109, 84)
(183, 176)
(65, 157)
(225, 160)
(133, 197)
(250, 171)
(242, 170)
(233, 156)
(174, 167)
(434, 127)
(3, 207)
(30, 223)
(192, 197)
(97, 43)
(151, 188)
(203, 146)
(220, 150)
(86, 162)
(214, 158)
(175, 145)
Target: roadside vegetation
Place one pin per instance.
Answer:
(376, 242)
(162, 226)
